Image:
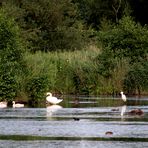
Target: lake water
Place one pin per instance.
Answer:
(76, 123)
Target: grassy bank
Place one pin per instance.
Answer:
(70, 73)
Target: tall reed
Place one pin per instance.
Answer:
(72, 73)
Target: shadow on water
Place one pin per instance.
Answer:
(80, 121)
(25, 138)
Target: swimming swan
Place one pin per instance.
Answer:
(123, 96)
(17, 104)
(3, 104)
(52, 100)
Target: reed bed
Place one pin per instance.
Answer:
(74, 72)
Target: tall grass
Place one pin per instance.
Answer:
(72, 73)
(114, 84)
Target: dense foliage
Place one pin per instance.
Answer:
(11, 58)
(72, 46)
(48, 25)
(127, 40)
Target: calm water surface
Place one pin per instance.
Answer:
(76, 122)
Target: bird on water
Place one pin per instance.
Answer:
(51, 99)
(17, 104)
(3, 104)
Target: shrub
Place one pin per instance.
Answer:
(11, 58)
(125, 41)
(106, 63)
(136, 79)
(36, 88)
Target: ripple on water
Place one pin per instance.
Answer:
(39, 127)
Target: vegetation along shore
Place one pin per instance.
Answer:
(72, 47)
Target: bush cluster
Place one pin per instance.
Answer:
(119, 63)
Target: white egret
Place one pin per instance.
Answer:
(17, 104)
(53, 100)
(123, 96)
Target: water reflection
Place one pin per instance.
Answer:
(55, 123)
(51, 109)
(123, 110)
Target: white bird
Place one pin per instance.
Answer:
(3, 104)
(53, 100)
(17, 104)
(123, 96)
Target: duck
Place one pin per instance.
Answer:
(3, 104)
(76, 119)
(52, 100)
(109, 133)
(136, 112)
(17, 104)
(123, 96)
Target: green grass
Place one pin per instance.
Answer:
(62, 68)
(71, 73)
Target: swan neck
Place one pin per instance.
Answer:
(50, 94)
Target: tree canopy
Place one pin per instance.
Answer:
(49, 25)
(11, 57)
(116, 28)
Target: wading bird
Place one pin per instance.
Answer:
(123, 96)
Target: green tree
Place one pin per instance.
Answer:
(136, 79)
(11, 58)
(93, 11)
(127, 40)
(48, 25)
(36, 88)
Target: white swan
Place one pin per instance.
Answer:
(52, 100)
(17, 104)
(123, 96)
(3, 104)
